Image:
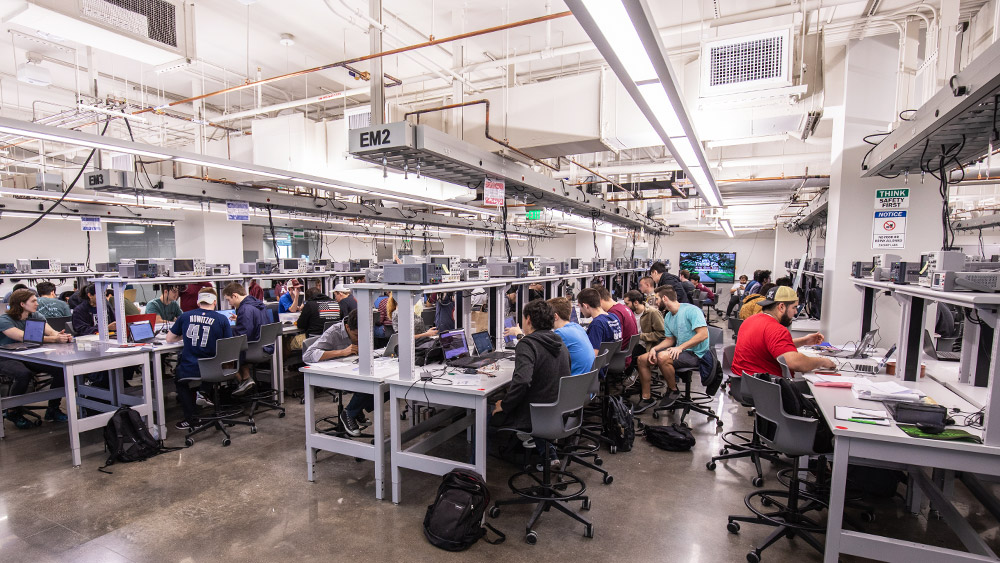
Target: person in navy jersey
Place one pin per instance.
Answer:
(603, 327)
(199, 329)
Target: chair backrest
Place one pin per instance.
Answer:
(227, 351)
(376, 318)
(605, 353)
(789, 434)
(69, 328)
(58, 323)
(599, 362)
(269, 333)
(728, 354)
(617, 362)
(309, 342)
(716, 337)
(785, 372)
(561, 419)
(428, 315)
(734, 325)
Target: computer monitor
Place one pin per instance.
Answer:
(365, 263)
(140, 331)
(39, 265)
(229, 313)
(509, 323)
(289, 264)
(34, 331)
(482, 342)
(183, 266)
(454, 345)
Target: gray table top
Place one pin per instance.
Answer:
(71, 353)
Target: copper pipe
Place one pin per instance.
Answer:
(431, 43)
(503, 143)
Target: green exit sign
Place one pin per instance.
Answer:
(534, 214)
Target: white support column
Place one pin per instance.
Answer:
(787, 246)
(868, 77)
(210, 236)
(375, 65)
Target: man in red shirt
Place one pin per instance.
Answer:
(764, 338)
(626, 317)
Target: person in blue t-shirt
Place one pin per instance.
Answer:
(685, 346)
(603, 327)
(199, 329)
(573, 335)
(291, 301)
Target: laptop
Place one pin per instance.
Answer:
(484, 347)
(34, 332)
(392, 347)
(863, 346)
(456, 351)
(141, 332)
(876, 369)
(935, 353)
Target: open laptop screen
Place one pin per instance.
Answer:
(483, 342)
(454, 345)
(34, 331)
(140, 331)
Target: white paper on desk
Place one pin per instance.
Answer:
(465, 380)
(847, 413)
(819, 378)
(33, 351)
(123, 348)
(885, 390)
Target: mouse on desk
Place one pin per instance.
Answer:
(471, 371)
(287, 323)
(930, 428)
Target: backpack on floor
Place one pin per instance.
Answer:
(127, 439)
(618, 423)
(455, 520)
(673, 438)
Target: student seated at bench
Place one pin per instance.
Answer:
(24, 306)
(166, 307)
(341, 341)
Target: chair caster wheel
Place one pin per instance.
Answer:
(764, 501)
(281, 414)
(589, 531)
(302, 401)
(494, 511)
(608, 479)
(585, 505)
(598, 461)
(226, 442)
(718, 422)
(188, 442)
(868, 517)
(37, 423)
(733, 527)
(531, 538)
(753, 557)
(613, 449)
(253, 429)
(723, 451)
(758, 482)
(710, 466)
(656, 415)
(229, 425)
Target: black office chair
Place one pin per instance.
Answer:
(219, 369)
(743, 443)
(69, 328)
(263, 396)
(58, 323)
(616, 366)
(586, 443)
(694, 400)
(794, 436)
(38, 382)
(552, 422)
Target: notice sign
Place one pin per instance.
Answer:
(237, 211)
(892, 199)
(889, 229)
(90, 223)
(493, 192)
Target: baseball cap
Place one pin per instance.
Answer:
(294, 282)
(341, 288)
(207, 298)
(779, 294)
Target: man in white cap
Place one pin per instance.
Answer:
(199, 329)
(347, 301)
(764, 338)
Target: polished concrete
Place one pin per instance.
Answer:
(251, 502)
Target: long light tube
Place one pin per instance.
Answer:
(586, 230)
(233, 168)
(41, 136)
(727, 226)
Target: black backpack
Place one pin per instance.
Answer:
(427, 350)
(455, 520)
(618, 423)
(673, 438)
(127, 439)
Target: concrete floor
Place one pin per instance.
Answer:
(251, 502)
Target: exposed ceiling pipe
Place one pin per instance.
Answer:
(399, 50)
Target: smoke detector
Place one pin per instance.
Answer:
(287, 39)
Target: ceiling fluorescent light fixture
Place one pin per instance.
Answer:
(233, 168)
(586, 230)
(627, 37)
(727, 226)
(73, 137)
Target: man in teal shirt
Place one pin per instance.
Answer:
(685, 347)
(50, 306)
(166, 308)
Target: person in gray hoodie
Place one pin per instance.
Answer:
(541, 359)
(250, 316)
(341, 341)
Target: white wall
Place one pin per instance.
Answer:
(754, 251)
(51, 238)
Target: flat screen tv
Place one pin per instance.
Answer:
(718, 267)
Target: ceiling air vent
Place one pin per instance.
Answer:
(742, 64)
(152, 19)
